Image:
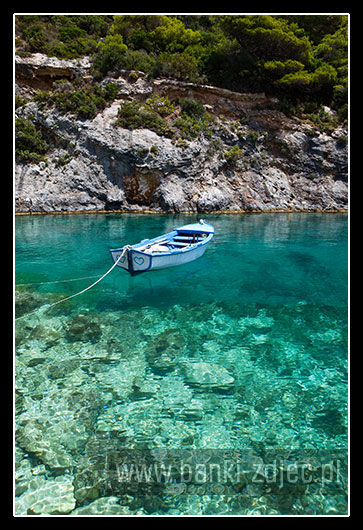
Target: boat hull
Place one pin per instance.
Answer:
(136, 261)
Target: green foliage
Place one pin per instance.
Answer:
(113, 41)
(63, 160)
(83, 99)
(177, 65)
(302, 59)
(20, 101)
(130, 25)
(110, 54)
(193, 120)
(315, 27)
(36, 38)
(192, 107)
(267, 37)
(30, 146)
(155, 33)
(233, 155)
(161, 105)
(135, 115)
(186, 118)
(188, 129)
(277, 69)
(303, 82)
(172, 36)
(128, 115)
(62, 36)
(110, 91)
(299, 82)
(342, 141)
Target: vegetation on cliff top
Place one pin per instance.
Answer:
(302, 59)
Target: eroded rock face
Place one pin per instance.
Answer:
(277, 163)
(40, 71)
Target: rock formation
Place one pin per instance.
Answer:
(253, 159)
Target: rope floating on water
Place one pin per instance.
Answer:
(48, 306)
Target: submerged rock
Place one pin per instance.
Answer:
(208, 375)
(83, 327)
(53, 497)
(58, 426)
(165, 349)
(104, 506)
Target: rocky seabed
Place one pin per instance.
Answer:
(103, 398)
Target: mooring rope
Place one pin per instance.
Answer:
(56, 281)
(48, 306)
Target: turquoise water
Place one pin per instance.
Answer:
(217, 387)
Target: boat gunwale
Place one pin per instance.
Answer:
(172, 252)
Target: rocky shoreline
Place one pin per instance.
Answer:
(157, 212)
(253, 159)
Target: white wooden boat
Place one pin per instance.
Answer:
(182, 245)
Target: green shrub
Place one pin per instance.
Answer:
(152, 115)
(192, 107)
(63, 36)
(187, 127)
(110, 91)
(160, 104)
(110, 54)
(154, 150)
(177, 65)
(83, 99)
(277, 69)
(155, 33)
(73, 49)
(30, 146)
(233, 155)
(36, 37)
(135, 115)
(194, 120)
(128, 115)
(63, 160)
(20, 101)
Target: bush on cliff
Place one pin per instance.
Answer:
(184, 117)
(81, 98)
(30, 146)
(134, 115)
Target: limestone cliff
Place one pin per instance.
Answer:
(264, 161)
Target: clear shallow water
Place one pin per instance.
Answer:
(239, 359)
